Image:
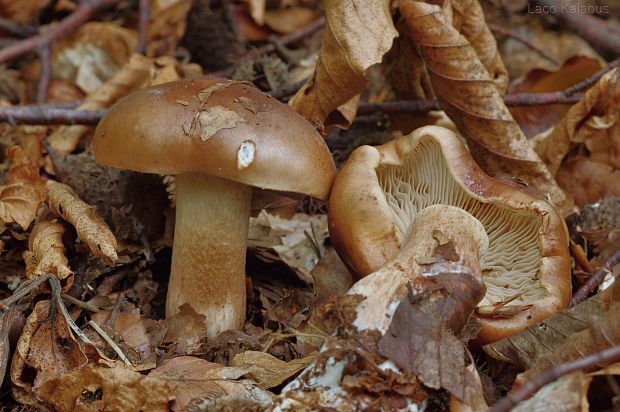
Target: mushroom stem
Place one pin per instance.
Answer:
(444, 240)
(208, 257)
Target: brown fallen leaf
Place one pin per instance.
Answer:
(93, 388)
(357, 35)
(190, 378)
(268, 370)
(46, 254)
(468, 94)
(569, 393)
(47, 347)
(588, 181)
(90, 228)
(289, 19)
(185, 331)
(166, 25)
(595, 119)
(24, 190)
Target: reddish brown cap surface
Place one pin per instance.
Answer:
(225, 128)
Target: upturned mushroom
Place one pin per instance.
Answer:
(381, 198)
(219, 138)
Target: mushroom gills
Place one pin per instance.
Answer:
(511, 264)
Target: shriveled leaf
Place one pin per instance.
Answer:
(166, 25)
(90, 227)
(93, 388)
(468, 94)
(24, 189)
(22, 12)
(47, 253)
(469, 21)
(191, 378)
(357, 35)
(185, 331)
(537, 341)
(298, 241)
(569, 393)
(588, 181)
(47, 347)
(593, 120)
(268, 370)
(289, 19)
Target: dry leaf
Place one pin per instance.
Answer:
(588, 181)
(289, 19)
(66, 138)
(90, 228)
(257, 10)
(357, 35)
(268, 370)
(191, 378)
(166, 25)
(469, 21)
(24, 189)
(185, 330)
(469, 96)
(92, 388)
(23, 11)
(130, 326)
(569, 393)
(47, 253)
(47, 347)
(595, 119)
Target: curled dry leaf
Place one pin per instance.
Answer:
(66, 138)
(90, 227)
(469, 20)
(93, 388)
(289, 19)
(357, 35)
(46, 254)
(593, 120)
(191, 378)
(268, 370)
(569, 393)
(40, 349)
(185, 331)
(24, 189)
(166, 25)
(471, 99)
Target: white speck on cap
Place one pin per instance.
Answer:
(245, 154)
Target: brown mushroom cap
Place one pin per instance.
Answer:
(224, 128)
(380, 191)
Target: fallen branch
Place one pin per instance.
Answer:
(143, 25)
(84, 11)
(596, 279)
(45, 78)
(49, 114)
(598, 359)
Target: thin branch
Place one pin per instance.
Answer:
(56, 295)
(508, 33)
(143, 25)
(80, 15)
(23, 290)
(596, 279)
(45, 77)
(598, 359)
(110, 342)
(589, 82)
(19, 30)
(42, 114)
(79, 303)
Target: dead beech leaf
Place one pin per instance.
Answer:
(47, 253)
(185, 331)
(569, 393)
(24, 189)
(257, 10)
(90, 227)
(588, 181)
(131, 327)
(289, 19)
(595, 119)
(467, 93)
(469, 21)
(166, 25)
(93, 388)
(268, 370)
(136, 71)
(40, 348)
(357, 35)
(190, 378)
(22, 12)
(216, 118)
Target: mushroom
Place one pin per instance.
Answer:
(219, 138)
(380, 198)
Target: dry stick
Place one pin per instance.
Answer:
(528, 389)
(589, 82)
(80, 15)
(45, 78)
(595, 31)
(23, 290)
(596, 279)
(110, 342)
(56, 290)
(42, 114)
(19, 30)
(508, 33)
(143, 25)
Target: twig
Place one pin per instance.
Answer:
(597, 359)
(23, 290)
(110, 342)
(595, 280)
(46, 73)
(508, 33)
(270, 47)
(19, 30)
(42, 114)
(599, 33)
(79, 303)
(56, 288)
(80, 15)
(589, 82)
(143, 25)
